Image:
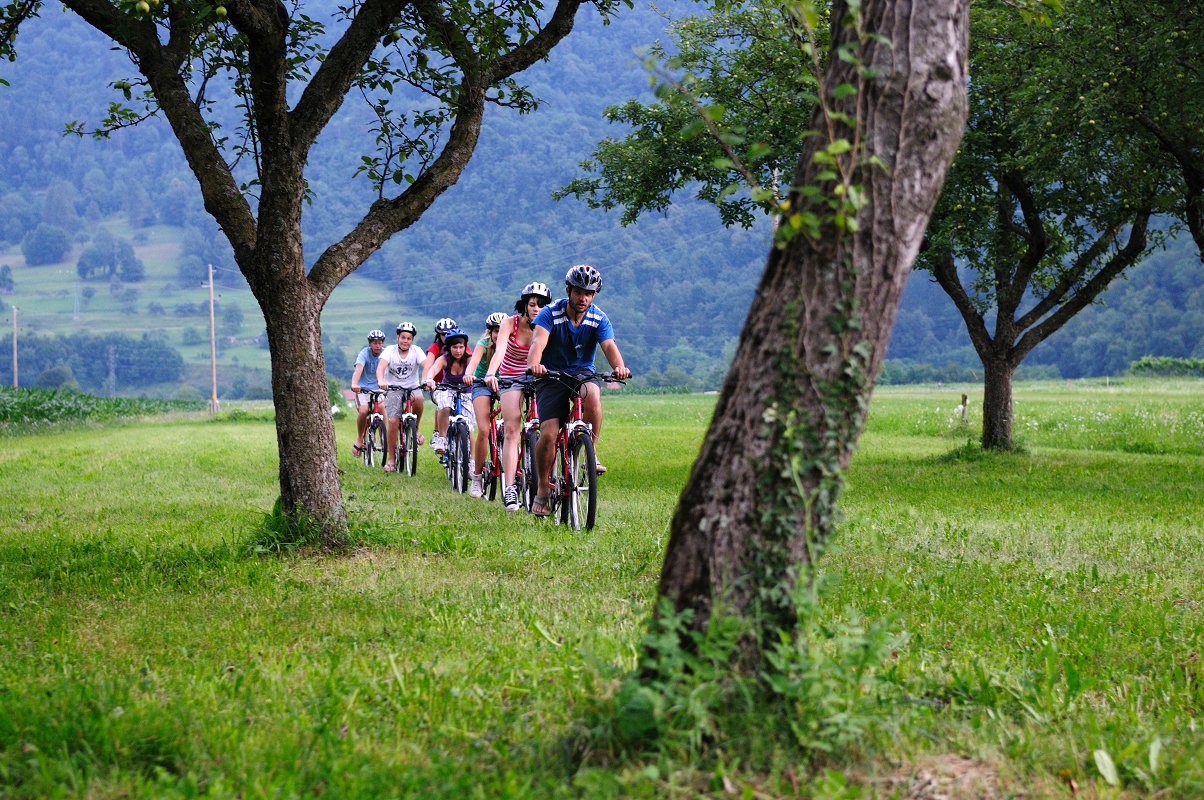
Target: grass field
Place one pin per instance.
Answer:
(1046, 604)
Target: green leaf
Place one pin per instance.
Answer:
(844, 90)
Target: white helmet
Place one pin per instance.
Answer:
(583, 276)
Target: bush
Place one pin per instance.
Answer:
(1167, 367)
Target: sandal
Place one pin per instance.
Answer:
(541, 501)
(390, 468)
(598, 468)
(357, 450)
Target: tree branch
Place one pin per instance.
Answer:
(1037, 245)
(945, 271)
(1121, 260)
(387, 217)
(1070, 277)
(539, 45)
(324, 95)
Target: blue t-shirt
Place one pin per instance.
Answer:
(368, 376)
(572, 347)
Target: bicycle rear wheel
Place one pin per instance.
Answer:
(528, 484)
(582, 500)
(409, 447)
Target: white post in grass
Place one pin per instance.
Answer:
(212, 349)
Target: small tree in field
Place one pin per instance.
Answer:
(427, 70)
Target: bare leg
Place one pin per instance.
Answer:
(391, 440)
(545, 452)
(512, 413)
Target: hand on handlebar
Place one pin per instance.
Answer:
(538, 370)
(491, 382)
(622, 373)
(429, 385)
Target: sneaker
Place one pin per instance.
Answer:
(438, 443)
(510, 497)
(475, 489)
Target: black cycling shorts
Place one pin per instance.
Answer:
(554, 398)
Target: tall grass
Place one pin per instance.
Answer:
(1044, 609)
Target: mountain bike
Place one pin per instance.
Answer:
(406, 455)
(525, 477)
(459, 446)
(374, 434)
(491, 470)
(574, 496)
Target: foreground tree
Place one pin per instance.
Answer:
(427, 69)
(761, 498)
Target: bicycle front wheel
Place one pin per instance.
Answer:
(374, 443)
(409, 447)
(457, 452)
(582, 500)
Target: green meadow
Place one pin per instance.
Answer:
(1044, 610)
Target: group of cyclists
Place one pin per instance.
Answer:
(540, 336)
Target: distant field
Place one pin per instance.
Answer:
(46, 297)
(1048, 605)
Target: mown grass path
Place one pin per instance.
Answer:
(1052, 602)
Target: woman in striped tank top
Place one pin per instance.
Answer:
(510, 361)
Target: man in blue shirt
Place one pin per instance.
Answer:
(567, 336)
(363, 380)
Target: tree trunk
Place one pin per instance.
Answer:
(310, 490)
(761, 498)
(997, 403)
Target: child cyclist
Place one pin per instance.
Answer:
(399, 368)
(439, 436)
(478, 365)
(450, 367)
(363, 381)
(510, 361)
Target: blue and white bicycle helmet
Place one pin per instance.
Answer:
(583, 276)
(376, 335)
(453, 334)
(444, 325)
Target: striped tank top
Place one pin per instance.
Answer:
(514, 362)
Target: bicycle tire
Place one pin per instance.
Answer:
(557, 503)
(529, 483)
(582, 500)
(457, 451)
(409, 447)
(491, 470)
(373, 443)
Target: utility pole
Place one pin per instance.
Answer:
(14, 347)
(75, 289)
(212, 349)
(112, 380)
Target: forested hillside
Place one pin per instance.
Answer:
(108, 237)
